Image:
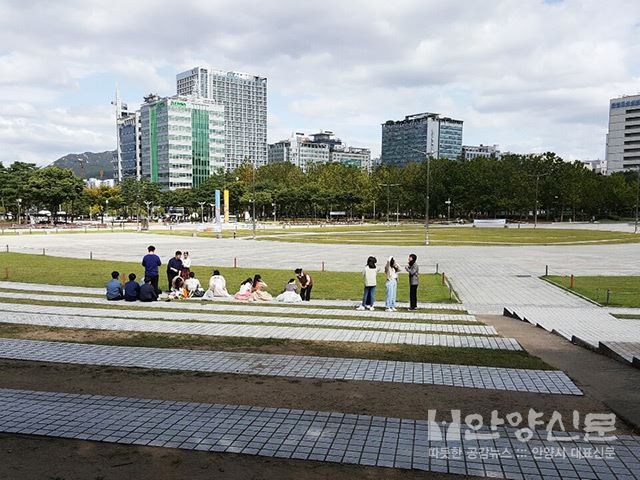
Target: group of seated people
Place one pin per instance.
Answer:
(131, 291)
(252, 289)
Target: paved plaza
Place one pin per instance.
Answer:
(327, 368)
(312, 435)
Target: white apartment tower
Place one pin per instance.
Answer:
(244, 97)
(623, 139)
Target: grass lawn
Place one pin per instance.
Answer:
(374, 351)
(414, 235)
(95, 273)
(623, 291)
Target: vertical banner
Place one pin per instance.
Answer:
(217, 206)
(226, 206)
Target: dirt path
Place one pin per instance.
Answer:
(615, 384)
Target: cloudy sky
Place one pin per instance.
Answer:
(529, 75)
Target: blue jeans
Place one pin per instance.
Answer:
(369, 296)
(392, 289)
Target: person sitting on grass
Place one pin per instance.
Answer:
(114, 287)
(218, 285)
(192, 284)
(290, 293)
(259, 292)
(147, 291)
(131, 289)
(245, 290)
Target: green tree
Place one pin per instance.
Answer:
(50, 187)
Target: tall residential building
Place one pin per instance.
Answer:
(598, 166)
(321, 147)
(182, 140)
(469, 152)
(623, 139)
(408, 140)
(244, 97)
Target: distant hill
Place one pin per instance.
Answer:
(94, 164)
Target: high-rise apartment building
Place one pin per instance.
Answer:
(322, 147)
(182, 140)
(411, 139)
(126, 158)
(244, 98)
(623, 139)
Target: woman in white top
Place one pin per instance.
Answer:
(218, 285)
(370, 274)
(186, 266)
(391, 269)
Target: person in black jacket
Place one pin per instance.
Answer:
(174, 267)
(414, 280)
(147, 291)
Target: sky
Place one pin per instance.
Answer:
(529, 75)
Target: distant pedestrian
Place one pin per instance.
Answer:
(173, 268)
(114, 287)
(306, 284)
(391, 269)
(370, 274)
(151, 262)
(414, 280)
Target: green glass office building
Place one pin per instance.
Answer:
(182, 140)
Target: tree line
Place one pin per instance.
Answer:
(479, 188)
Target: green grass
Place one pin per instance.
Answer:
(407, 353)
(413, 235)
(626, 316)
(95, 273)
(177, 309)
(624, 291)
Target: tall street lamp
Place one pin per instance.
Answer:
(635, 229)
(19, 202)
(201, 211)
(427, 156)
(253, 198)
(448, 202)
(535, 212)
(148, 204)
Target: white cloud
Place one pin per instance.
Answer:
(523, 73)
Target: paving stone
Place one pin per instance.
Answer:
(94, 417)
(521, 380)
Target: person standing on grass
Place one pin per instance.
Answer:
(151, 262)
(114, 287)
(306, 284)
(370, 274)
(174, 267)
(391, 269)
(414, 280)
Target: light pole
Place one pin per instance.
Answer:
(274, 205)
(427, 156)
(635, 229)
(19, 202)
(201, 211)
(213, 206)
(535, 212)
(388, 185)
(448, 202)
(106, 209)
(253, 198)
(374, 210)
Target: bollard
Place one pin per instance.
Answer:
(444, 282)
(44, 252)
(546, 270)
(7, 248)
(90, 255)
(437, 267)
(571, 282)
(608, 297)
(235, 262)
(323, 266)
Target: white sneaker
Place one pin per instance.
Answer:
(371, 308)
(394, 309)
(360, 307)
(388, 309)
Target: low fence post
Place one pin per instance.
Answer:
(608, 297)
(90, 255)
(444, 280)
(235, 262)
(44, 252)
(546, 270)
(7, 248)
(571, 281)
(437, 267)
(323, 266)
